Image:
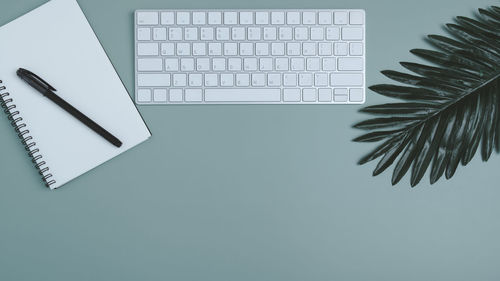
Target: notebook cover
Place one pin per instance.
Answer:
(56, 42)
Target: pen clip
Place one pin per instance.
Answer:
(25, 72)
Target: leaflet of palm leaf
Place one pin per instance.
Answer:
(449, 110)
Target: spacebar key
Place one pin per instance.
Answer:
(242, 95)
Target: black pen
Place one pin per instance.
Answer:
(48, 91)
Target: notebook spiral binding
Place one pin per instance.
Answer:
(22, 131)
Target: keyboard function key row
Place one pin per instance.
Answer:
(250, 18)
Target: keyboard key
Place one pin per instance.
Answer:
(291, 95)
(340, 98)
(356, 17)
(195, 80)
(305, 79)
(183, 18)
(175, 34)
(187, 64)
(340, 95)
(281, 64)
(309, 95)
(325, 49)
(147, 18)
(356, 95)
(222, 33)
(203, 64)
(175, 95)
(230, 49)
(312, 64)
(214, 49)
(144, 95)
(199, 18)
(329, 64)
(258, 79)
(179, 80)
(285, 33)
(183, 49)
(352, 33)
(325, 18)
(293, 49)
(293, 18)
(160, 95)
(254, 33)
(211, 80)
(274, 80)
(269, 33)
(219, 64)
(262, 49)
(309, 49)
(190, 34)
(317, 33)
(340, 92)
(290, 79)
(230, 18)
(199, 49)
(346, 79)
(340, 49)
(150, 64)
(153, 80)
(207, 33)
(325, 95)
(309, 18)
(242, 79)
(144, 34)
(226, 80)
(238, 33)
(214, 18)
(278, 49)
(320, 79)
(167, 18)
(242, 95)
(193, 95)
(301, 33)
(350, 64)
(159, 33)
(246, 18)
(277, 18)
(266, 64)
(356, 49)
(297, 64)
(171, 64)
(147, 49)
(262, 18)
(340, 18)
(332, 33)
(234, 64)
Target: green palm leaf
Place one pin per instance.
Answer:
(448, 112)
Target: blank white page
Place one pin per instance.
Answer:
(56, 42)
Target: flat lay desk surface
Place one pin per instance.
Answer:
(250, 192)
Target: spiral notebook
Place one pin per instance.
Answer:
(56, 42)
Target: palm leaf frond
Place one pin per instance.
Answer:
(448, 112)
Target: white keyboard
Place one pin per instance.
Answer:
(250, 56)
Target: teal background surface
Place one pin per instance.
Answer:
(250, 192)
